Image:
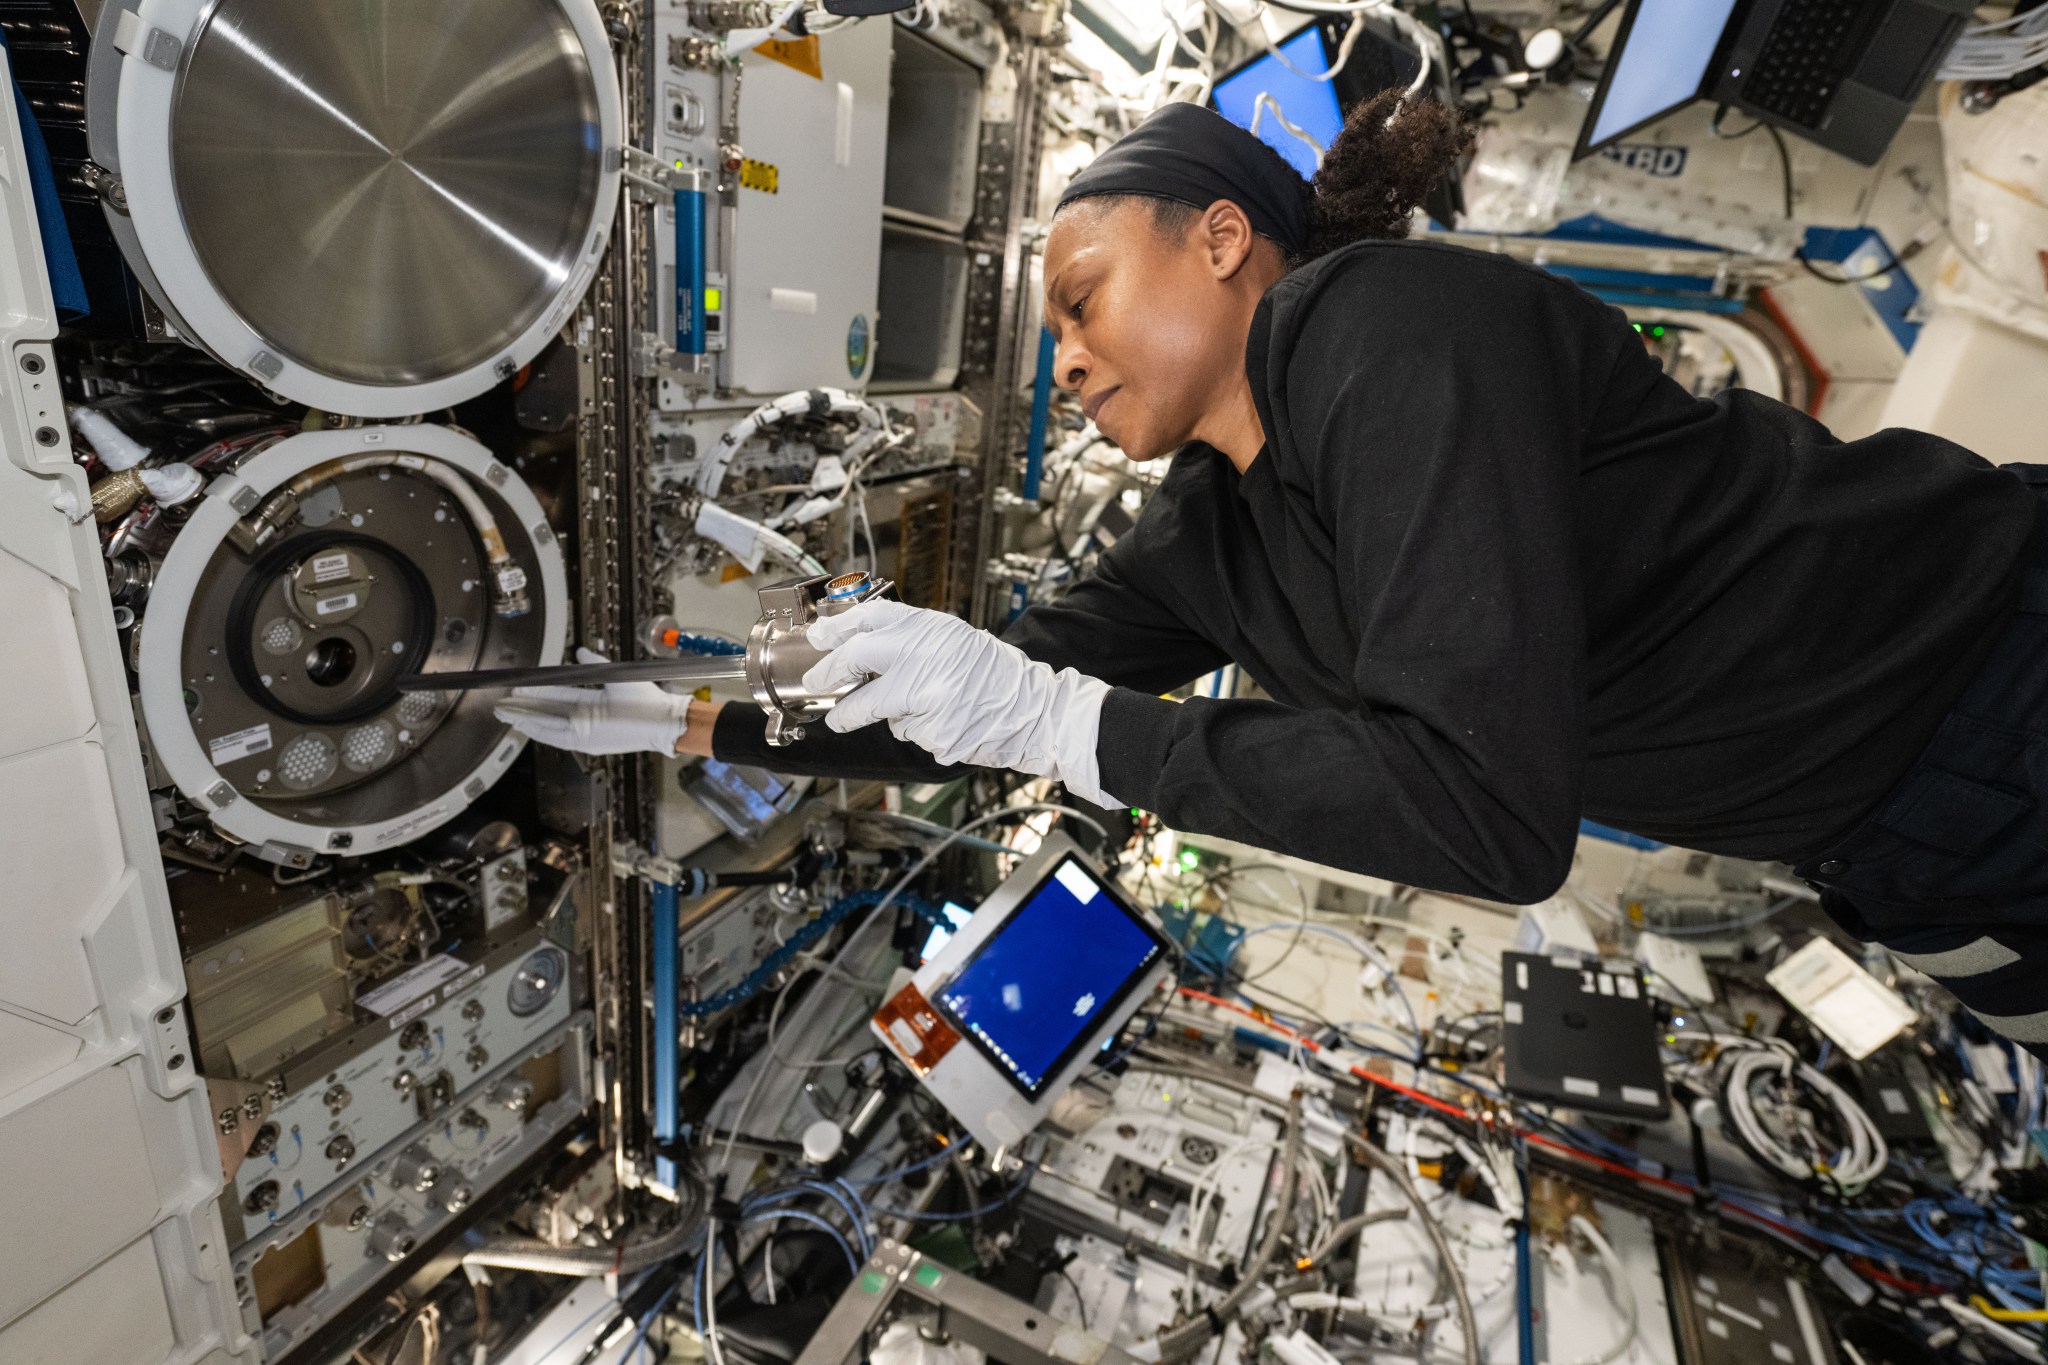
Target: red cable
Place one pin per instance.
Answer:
(1537, 1138)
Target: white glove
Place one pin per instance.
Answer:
(960, 693)
(618, 718)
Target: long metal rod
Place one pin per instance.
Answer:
(724, 668)
(664, 925)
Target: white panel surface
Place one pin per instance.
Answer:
(108, 1173)
(806, 259)
(40, 664)
(61, 851)
(75, 1325)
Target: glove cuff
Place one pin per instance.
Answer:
(1075, 716)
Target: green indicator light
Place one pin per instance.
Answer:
(1637, 325)
(872, 1282)
(1656, 331)
(928, 1275)
(1189, 859)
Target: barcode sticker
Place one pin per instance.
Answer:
(341, 601)
(240, 744)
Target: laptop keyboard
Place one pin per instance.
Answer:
(1803, 60)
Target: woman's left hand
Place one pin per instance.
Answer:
(960, 693)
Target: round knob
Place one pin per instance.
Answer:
(514, 1093)
(454, 1196)
(477, 1057)
(265, 1141)
(473, 1011)
(336, 1099)
(416, 1168)
(391, 1237)
(341, 1148)
(262, 1199)
(822, 1141)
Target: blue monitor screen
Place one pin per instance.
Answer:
(1661, 64)
(1309, 105)
(1038, 987)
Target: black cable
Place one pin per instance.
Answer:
(1784, 166)
(1080, 1304)
(1806, 262)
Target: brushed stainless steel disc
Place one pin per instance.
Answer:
(387, 191)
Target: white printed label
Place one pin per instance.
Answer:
(341, 601)
(327, 568)
(240, 744)
(511, 578)
(395, 994)
(1574, 1085)
(410, 826)
(1894, 1101)
(1627, 986)
(413, 1011)
(1635, 1094)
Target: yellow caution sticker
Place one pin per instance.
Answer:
(798, 54)
(760, 175)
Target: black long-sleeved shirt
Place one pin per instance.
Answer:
(1498, 572)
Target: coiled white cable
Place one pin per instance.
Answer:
(1856, 1166)
(1994, 51)
(821, 402)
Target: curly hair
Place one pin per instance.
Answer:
(1382, 164)
(1387, 158)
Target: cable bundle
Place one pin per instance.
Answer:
(1995, 51)
(1847, 1170)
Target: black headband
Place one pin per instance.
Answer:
(1194, 155)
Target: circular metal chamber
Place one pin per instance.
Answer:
(269, 679)
(376, 207)
(388, 191)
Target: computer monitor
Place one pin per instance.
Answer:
(1014, 1006)
(1662, 58)
(1310, 105)
(1380, 58)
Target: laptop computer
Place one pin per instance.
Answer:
(1581, 1033)
(1840, 73)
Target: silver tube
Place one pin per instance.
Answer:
(1468, 1326)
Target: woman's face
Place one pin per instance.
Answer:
(1151, 324)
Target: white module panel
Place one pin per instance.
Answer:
(806, 251)
(1175, 1163)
